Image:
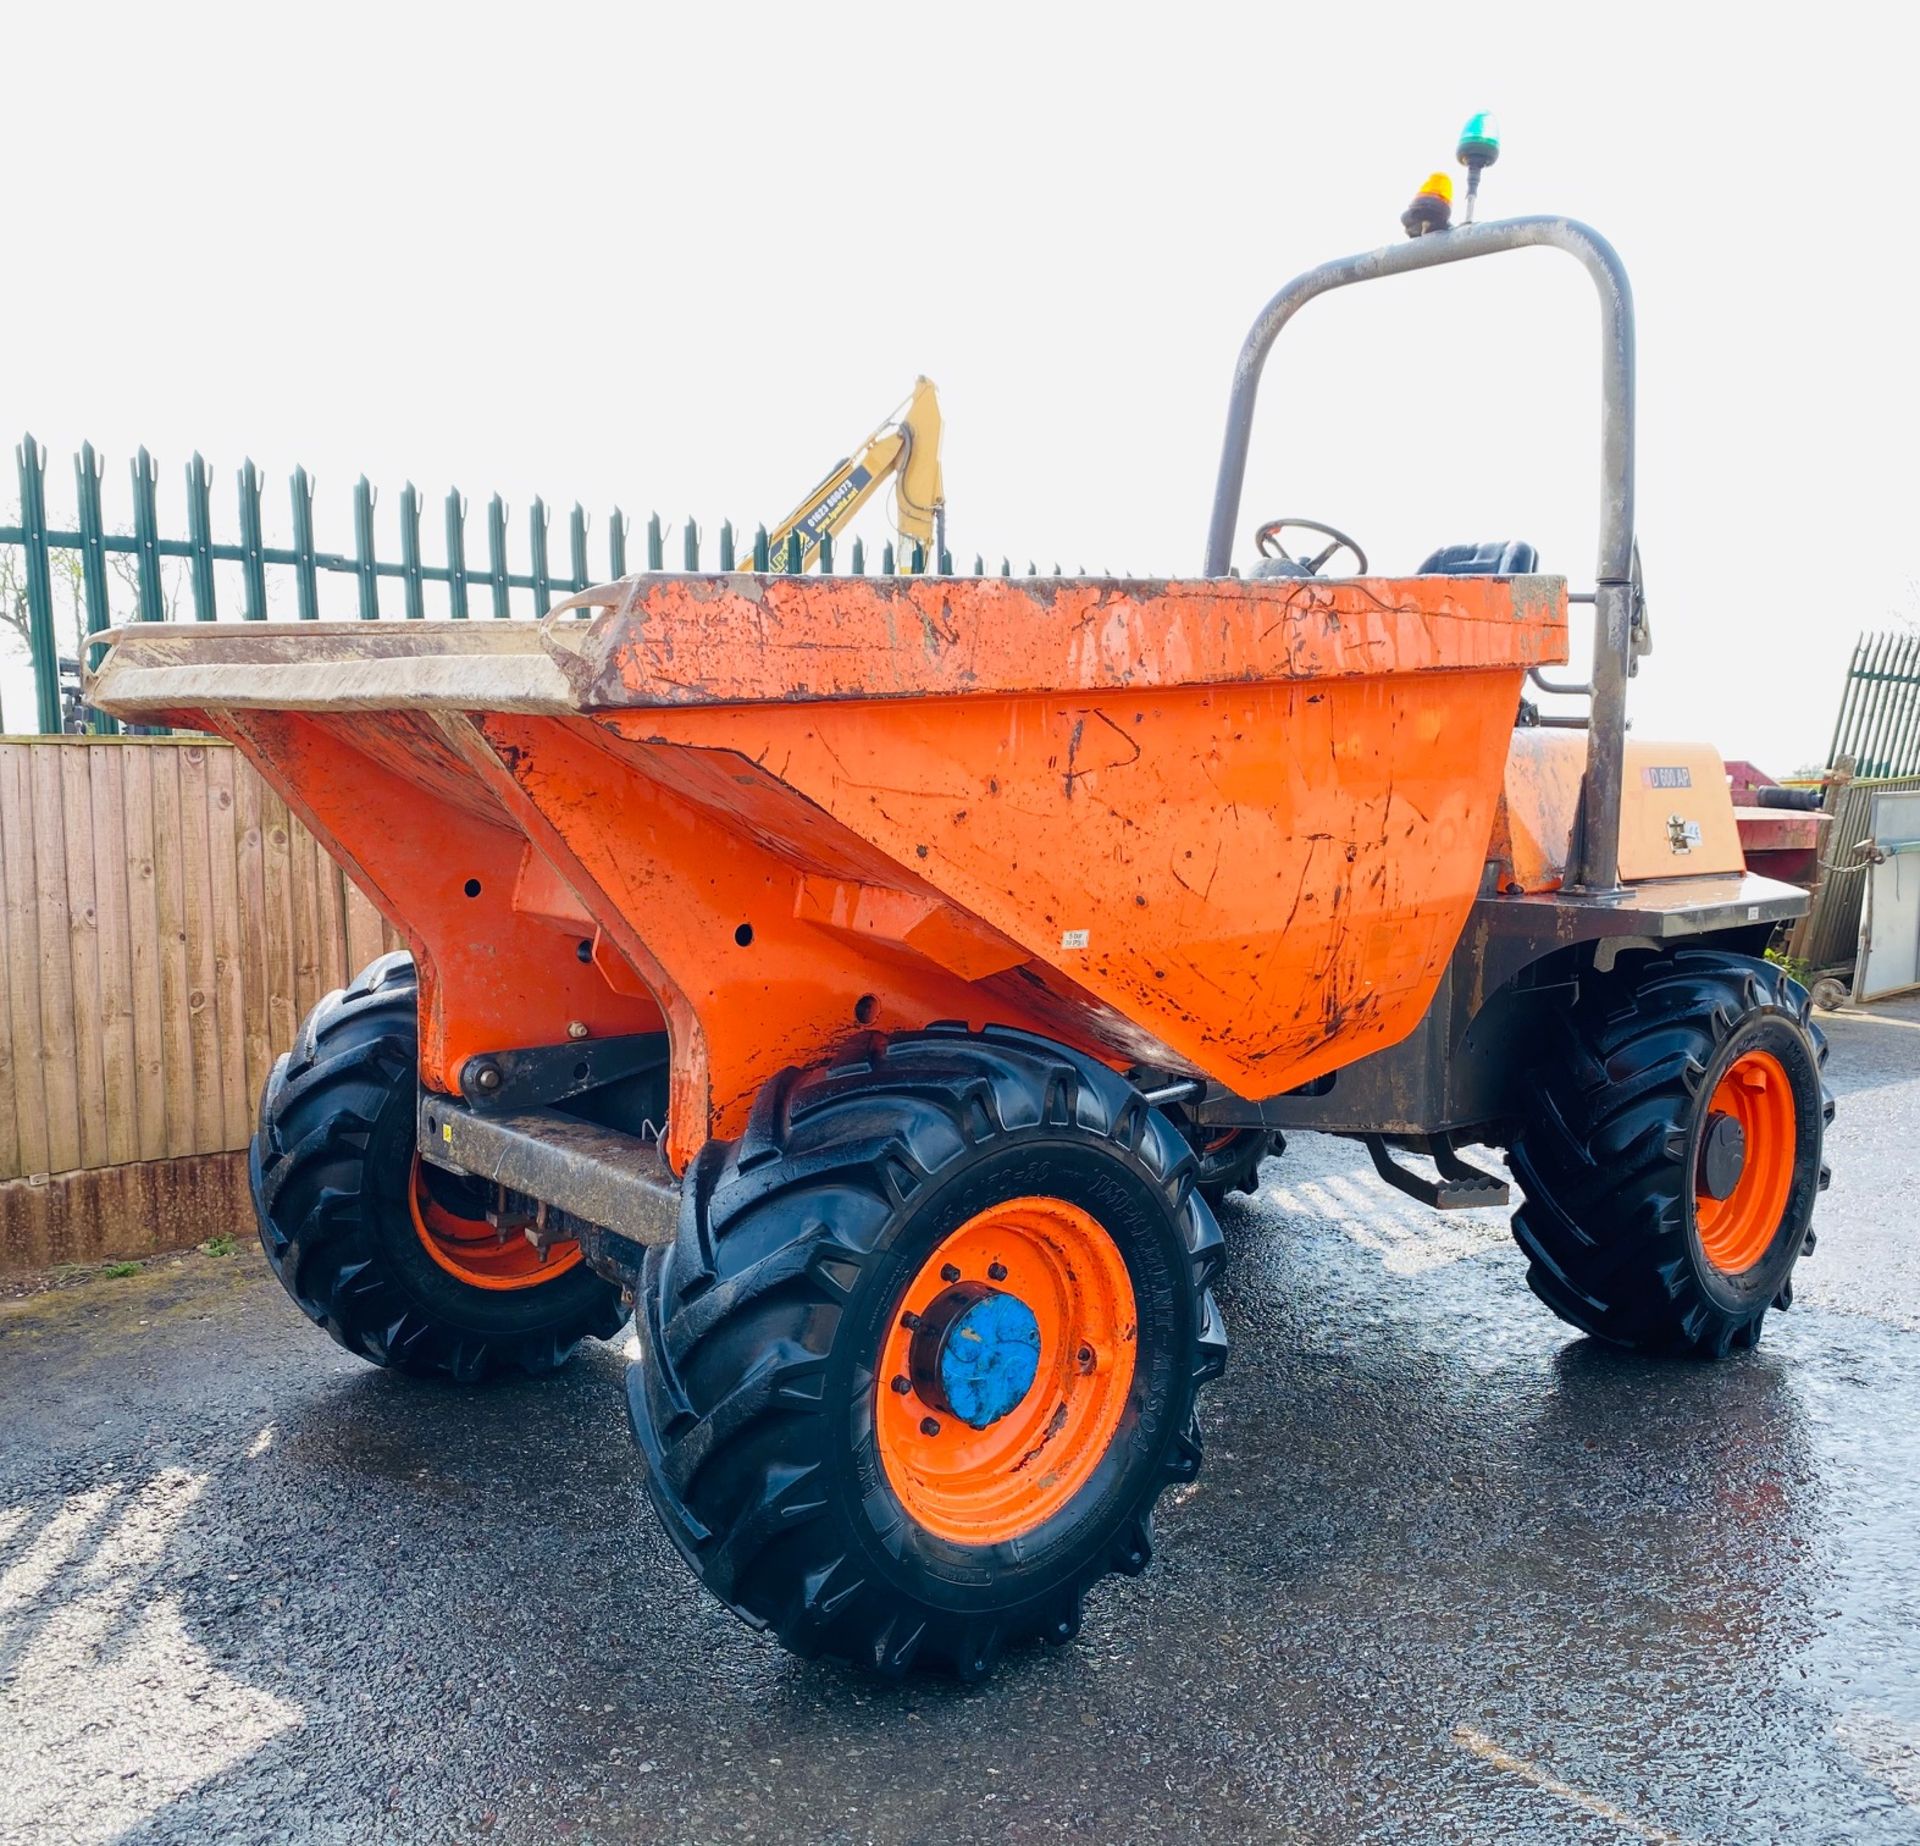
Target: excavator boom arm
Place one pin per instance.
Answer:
(907, 448)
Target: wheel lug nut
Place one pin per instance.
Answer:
(997, 1272)
(911, 1322)
(902, 1384)
(948, 1273)
(1086, 1358)
(929, 1426)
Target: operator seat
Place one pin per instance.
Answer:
(1497, 557)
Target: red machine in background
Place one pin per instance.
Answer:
(1780, 828)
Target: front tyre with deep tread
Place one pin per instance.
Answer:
(1625, 1231)
(758, 1392)
(332, 1172)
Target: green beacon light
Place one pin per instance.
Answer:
(1479, 148)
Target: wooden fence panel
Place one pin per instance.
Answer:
(229, 957)
(59, 1046)
(143, 921)
(203, 1033)
(105, 766)
(165, 923)
(32, 1145)
(83, 948)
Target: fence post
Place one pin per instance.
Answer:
(691, 548)
(793, 552)
(762, 560)
(537, 546)
(826, 554)
(146, 533)
(1840, 773)
(252, 541)
(656, 543)
(457, 554)
(363, 550)
(577, 540)
(305, 575)
(87, 472)
(200, 537)
(497, 557)
(410, 553)
(617, 530)
(726, 545)
(859, 558)
(32, 459)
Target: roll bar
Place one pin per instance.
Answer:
(1597, 865)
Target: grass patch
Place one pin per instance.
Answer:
(219, 1246)
(117, 1270)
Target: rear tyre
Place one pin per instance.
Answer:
(1671, 1156)
(925, 1351)
(392, 1257)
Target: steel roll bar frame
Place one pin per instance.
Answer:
(1598, 847)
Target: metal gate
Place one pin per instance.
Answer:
(1889, 958)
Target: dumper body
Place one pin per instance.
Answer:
(1228, 830)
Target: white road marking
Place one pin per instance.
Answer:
(1492, 1754)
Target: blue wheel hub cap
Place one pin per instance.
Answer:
(976, 1353)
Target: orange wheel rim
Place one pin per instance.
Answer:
(474, 1251)
(1737, 1230)
(1045, 1278)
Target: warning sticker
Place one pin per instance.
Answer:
(1073, 938)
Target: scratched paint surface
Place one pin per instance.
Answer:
(1227, 827)
(1264, 879)
(724, 640)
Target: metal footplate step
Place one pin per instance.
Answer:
(595, 1174)
(1460, 1186)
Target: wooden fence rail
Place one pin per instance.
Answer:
(164, 925)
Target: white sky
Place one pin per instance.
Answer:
(682, 258)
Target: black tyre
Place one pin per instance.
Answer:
(346, 1221)
(1671, 1158)
(792, 1408)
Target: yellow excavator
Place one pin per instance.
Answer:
(907, 447)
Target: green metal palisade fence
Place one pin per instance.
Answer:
(471, 587)
(1879, 721)
(464, 579)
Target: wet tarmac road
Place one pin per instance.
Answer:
(1449, 1575)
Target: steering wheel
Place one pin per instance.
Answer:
(1268, 539)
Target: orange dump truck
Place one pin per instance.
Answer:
(874, 986)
